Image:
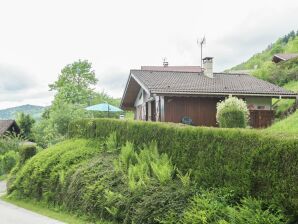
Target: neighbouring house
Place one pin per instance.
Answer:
(9, 126)
(172, 93)
(283, 57)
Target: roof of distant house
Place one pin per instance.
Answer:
(284, 57)
(5, 125)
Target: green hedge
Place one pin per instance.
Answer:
(244, 160)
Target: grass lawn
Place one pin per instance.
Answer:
(287, 127)
(53, 213)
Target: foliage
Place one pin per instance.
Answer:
(281, 73)
(25, 122)
(26, 151)
(8, 161)
(286, 44)
(213, 207)
(111, 143)
(10, 142)
(232, 113)
(262, 66)
(247, 161)
(73, 84)
(79, 176)
(141, 167)
(281, 106)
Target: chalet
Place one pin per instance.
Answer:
(172, 93)
(283, 57)
(9, 126)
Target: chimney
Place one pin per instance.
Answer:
(208, 66)
(165, 62)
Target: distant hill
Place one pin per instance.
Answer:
(286, 44)
(33, 110)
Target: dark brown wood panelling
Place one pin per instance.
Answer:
(202, 111)
(261, 118)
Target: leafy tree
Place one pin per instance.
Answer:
(74, 83)
(25, 122)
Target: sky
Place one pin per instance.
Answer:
(39, 37)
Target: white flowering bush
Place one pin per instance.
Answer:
(232, 113)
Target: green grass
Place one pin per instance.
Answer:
(287, 127)
(54, 213)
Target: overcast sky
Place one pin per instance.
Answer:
(39, 37)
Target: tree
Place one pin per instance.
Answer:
(74, 83)
(25, 122)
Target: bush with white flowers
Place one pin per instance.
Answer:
(232, 113)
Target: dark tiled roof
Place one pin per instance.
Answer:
(5, 125)
(196, 83)
(173, 68)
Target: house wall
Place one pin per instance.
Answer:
(202, 110)
(259, 103)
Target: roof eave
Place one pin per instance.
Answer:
(126, 88)
(287, 96)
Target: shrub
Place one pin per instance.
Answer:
(246, 161)
(8, 161)
(232, 113)
(80, 176)
(213, 207)
(10, 142)
(26, 152)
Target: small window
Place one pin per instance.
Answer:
(261, 107)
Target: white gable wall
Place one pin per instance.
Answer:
(140, 104)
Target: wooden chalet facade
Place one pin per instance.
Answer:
(169, 94)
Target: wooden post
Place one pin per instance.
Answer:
(149, 111)
(296, 102)
(162, 108)
(157, 109)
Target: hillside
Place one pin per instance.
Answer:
(286, 44)
(33, 110)
(286, 127)
(261, 65)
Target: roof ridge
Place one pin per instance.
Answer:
(147, 70)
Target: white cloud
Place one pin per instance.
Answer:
(40, 37)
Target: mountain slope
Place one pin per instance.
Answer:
(286, 44)
(33, 110)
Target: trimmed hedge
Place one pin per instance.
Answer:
(244, 160)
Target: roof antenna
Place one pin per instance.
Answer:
(165, 62)
(201, 42)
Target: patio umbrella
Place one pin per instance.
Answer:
(104, 107)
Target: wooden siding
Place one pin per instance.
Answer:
(261, 118)
(202, 111)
